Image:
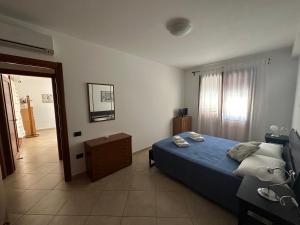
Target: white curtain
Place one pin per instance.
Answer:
(226, 103)
(210, 104)
(237, 102)
(260, 125)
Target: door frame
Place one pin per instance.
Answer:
(42, 70)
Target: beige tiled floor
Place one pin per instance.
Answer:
(136, 195)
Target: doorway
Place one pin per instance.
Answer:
(31, 116)
(11, 144)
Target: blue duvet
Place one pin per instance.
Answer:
(203, 166)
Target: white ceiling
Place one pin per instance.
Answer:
(221, 28)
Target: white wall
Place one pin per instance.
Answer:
(296, 115)
(279, 91)
(146, 92)
(34, 87)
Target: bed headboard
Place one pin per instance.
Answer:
(294, 146)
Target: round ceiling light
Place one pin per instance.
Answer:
(179, 26)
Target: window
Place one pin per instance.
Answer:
(225, 103)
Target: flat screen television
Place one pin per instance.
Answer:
(183, 112)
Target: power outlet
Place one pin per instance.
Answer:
(77, 133)
(79, 156)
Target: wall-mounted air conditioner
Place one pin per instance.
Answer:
(18, 37)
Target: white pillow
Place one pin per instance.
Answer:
(249, 167)
(271, 150)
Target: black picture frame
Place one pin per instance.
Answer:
(101, 116)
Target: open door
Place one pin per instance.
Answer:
(10, 64)
(11, 119)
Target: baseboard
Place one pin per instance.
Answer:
(144, 149)
(45, 129)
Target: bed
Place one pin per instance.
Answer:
(203, 166)
(206, 168)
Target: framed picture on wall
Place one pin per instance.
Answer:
(101, 102)
(47, 98)
(106, 96)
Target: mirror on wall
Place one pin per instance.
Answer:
(101, 102)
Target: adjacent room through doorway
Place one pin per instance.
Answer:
(11, 66)
(30, 107)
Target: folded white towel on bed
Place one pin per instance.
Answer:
(196, 137)
(200, 138)
(192, 133)
(177, 137)
(180, 142)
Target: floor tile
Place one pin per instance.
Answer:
(141, 167)
(143, 182)
(22, 181)
(78, 183)
(68, 220)
(79, 203)
(175, 221)
(207, 211)
(165, 183)
(99, 185)
(198, 206)
(34, 220)
(110, 203)
(138, 221)
(47, 182)
(13, 218)
(140, 203)
(140, 156)
(21, 202)
(171, 204)
(103, 220)
(119, 181)
(51, 203)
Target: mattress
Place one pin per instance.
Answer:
(203, 166)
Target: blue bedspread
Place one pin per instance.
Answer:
(204, 166)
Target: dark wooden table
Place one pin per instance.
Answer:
(251, 202)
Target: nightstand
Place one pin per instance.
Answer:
(282, 139)
(253, 206)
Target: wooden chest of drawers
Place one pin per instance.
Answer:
(182, 124)
(106, 155)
